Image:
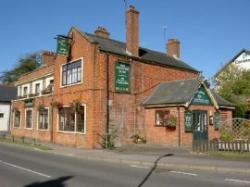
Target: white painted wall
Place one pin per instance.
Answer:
(4, 122)
(243, 61)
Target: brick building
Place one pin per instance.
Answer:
(104, 84)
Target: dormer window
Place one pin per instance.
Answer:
(72, 73)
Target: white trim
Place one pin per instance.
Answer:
(73, 84)
(27, 109)
(33, 79)
(37, 120)
(74, 132)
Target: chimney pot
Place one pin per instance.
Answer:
(132, 31)
(173, 48)
(102, 32)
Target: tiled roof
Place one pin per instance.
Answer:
(180, 92)
(118, 47)
(7, 93)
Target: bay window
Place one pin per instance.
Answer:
(71, 120)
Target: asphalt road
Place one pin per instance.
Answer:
(23, 167)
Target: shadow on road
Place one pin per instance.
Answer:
(153, 168)
(59, 182)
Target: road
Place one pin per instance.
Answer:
(24, 167)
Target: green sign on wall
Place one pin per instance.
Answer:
(122, 77)
(28, 103)
(188, 121)
(216, 121)
(62, 46)
(201, 97)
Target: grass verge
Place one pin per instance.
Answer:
(231, 155)
(26, 144)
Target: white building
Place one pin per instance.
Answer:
(241, 60)
(6, 95)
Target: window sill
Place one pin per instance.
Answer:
(16, 127)
(28, 128)
(69, 85)
(71, 132)
(43, 130)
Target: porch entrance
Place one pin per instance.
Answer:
(200, 125)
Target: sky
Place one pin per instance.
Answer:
(211, 32)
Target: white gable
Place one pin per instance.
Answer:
(243, 61)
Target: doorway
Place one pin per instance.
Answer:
(200, 125)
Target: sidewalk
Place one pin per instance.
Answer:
(146, 156)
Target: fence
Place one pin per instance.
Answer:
(236, 146)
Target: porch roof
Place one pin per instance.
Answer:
(181, 92)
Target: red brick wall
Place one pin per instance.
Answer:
(162, 135)
(126, 112)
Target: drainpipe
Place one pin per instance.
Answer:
(107, 94)
(179, 127)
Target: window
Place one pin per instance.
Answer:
(28, 118)
(71, 120)
(1, 115)
(37, 88)
(43, 119)
(25, 91)
(161, 116)
(17, 119)
(72, 73)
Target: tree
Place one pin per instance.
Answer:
(24, 65)
(233, 84)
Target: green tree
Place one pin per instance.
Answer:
(24, 65)
(233, 84)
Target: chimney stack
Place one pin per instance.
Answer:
(102, 32)
(48, 58)
(173, 48)
(132, 31)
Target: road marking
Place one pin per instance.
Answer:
(138, 166)
(25, 169)
(184, 173)
(237, 180)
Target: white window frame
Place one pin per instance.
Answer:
(61, 73)
(38, 116)
(14, 120)
(25, 119)
(73, 132)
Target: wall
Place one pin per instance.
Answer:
(4, 122)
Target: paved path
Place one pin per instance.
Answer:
(23, 167)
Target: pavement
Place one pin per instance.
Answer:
(147, 155)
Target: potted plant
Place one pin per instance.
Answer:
(171, 122)
(77, 106)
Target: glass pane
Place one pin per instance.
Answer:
(80, 120)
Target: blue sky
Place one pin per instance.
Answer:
(211, 32)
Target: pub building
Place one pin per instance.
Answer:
(94, 85)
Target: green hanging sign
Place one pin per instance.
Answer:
(122, 77)
(62, 46)
(28, 103)
(201, 97)
(216, 121)
(188, 121)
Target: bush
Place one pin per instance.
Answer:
(137, 139)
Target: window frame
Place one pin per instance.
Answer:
(38, 120)
(61, 73)
(14, 119)
(25, 127)
(73, 132)
(161, 112)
